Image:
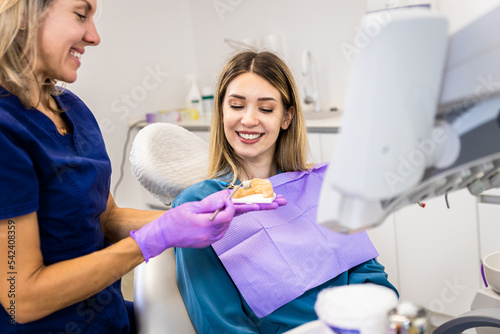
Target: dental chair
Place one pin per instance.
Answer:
(166, 159)
(158, 303)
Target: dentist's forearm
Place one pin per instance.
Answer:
(117, 222)
(54, 287)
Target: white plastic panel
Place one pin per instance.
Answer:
(438, 253)
(489, 228)
(472, 68)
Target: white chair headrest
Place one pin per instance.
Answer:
(167, 158)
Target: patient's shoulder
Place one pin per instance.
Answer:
(198, 191)
(316, 168)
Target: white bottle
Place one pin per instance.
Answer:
(207, 98)
(193, 100)
(356, 308)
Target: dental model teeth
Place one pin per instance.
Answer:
(249, 136)
(255, 191)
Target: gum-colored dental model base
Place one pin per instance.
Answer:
(255, 191)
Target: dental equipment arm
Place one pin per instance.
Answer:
(420, 121)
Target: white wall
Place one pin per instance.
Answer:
(318, 25)
(462, 12)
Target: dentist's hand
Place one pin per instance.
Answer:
(187, 226)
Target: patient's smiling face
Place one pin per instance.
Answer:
(253, 115)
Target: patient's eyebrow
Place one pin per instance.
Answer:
(87, 4)
(238, 96)
(259, 99)
(266, 99)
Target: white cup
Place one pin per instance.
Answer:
(357, 308)
(491, 265)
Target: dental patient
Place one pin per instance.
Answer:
(265, 274)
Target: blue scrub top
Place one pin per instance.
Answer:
(215, 304)
(66, 180)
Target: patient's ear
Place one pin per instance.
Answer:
(287, 119)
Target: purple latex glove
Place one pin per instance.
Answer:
(244, 208)
(186, 226)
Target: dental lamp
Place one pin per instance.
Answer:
(422, 119)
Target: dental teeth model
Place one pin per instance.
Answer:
(255, 191)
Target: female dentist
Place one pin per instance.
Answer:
(64, 242)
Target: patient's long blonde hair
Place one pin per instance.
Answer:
(291, 147)
(19, 23)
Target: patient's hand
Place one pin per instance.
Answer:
(244, 208)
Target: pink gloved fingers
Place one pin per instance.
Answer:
(280, 199)
(213, 202)
(241, 208)
(244, 208)
(186, 226)
(200, 232)
(225, 215)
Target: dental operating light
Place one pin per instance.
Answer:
(421, 117)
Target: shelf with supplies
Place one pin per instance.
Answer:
(322, 128)
(321, 122)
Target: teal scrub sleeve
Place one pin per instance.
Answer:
(370, 272)
(198, 191)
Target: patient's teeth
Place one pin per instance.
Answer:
(249, 136)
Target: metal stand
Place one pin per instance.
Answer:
(486, 317)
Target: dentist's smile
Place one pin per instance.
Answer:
(76, 54)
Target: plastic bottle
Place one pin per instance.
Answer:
(356, 308)
(407, 318)
(193, 99)
(207, 98)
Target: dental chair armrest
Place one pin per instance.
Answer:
(485, 317)
(158, 303)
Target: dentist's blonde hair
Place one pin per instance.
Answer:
(291, 145)
(19, 24)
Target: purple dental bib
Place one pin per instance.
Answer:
(275, 256)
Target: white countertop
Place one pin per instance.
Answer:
(315, 122)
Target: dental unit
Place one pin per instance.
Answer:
(421, 120)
